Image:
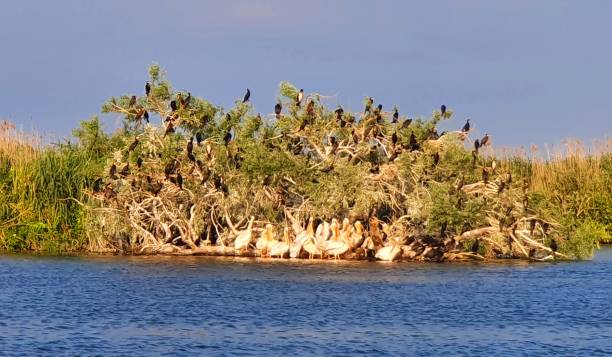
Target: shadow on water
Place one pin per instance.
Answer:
(174, 305)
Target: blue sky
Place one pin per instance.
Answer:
(524, 71)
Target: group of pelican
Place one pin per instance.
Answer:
(328, 240)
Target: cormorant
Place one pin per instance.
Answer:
(443, 110)
(190, 146)
(476, 145)
(394, 138)
(466, 127)
(109, 193)
(173, 105)
(368, 105)
(553, 245)
(436, 158)
(227, 138)
(139, 162)
(179, 180)
(133, 145)
(247, 96)
(395, 115)
(310, 108)
(199, 137)
(156, 187)
(339, 112)
(205, 173)
(125, 170)
(485, 176)
(188, 100)
(485, 140)
(170, 168)
(113, 171)
(303, 125)
(300, 97)
(146, 116)
(133, 101)
(147, 88)
(169, 129)
(277, 110)
(406, 123)
(191, 157)
(181, 101)
(414, 145)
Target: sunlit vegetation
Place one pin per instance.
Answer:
(185, 176)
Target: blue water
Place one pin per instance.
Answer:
(218, 306)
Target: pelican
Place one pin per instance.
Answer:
(243, 239)
(322, 233)
(389, 253)
(280, 249)
(336, 246)
(266, 240)
(356, 237)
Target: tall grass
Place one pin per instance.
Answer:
(42, 191)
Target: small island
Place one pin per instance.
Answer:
(184, 176)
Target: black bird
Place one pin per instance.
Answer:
(436, 158)
(125, 170)
(368, 105)
(553, 245)
(277, 110)
(170, 168)
(191, 157)
(310, 108)
(476, 145)
(133, 101)
(181, 101)
(394, 138)
(113, 171)
(247, 96)
(475, 246)
(146, 116)
(300, 97)
(227, 138)
(339, 113)
(97, 185)
(169, 129)
(443, 229)
(179, 181)
(443, 110)
(379, 108)
(205, 119)
(133, 145)
(485, 140)
(190, 146)
(173, 105)
(466, 127)
(395, 115)
(147, 88)
(199, 137)
(414, 145)
(485, 176)
(188, 100)
(155, 187)
(303, 125)
(474, 157)
(139, 162)
(406, 123)
(109, 193)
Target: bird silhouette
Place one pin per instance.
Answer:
(247, 96)
(466, 127)
(133, 145)
(139, 162)
(443, 110)
(173, 105)
(395, 116)
(277, 110)
(190, 146)
(113, 171)
(147, 88)
(146, 116)
(133, 101)
(300, 97)
(485, 140)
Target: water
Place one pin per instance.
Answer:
(209, 306)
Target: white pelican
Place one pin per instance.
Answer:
(280, 249)
(243, 239)
(266, 240)
(336, 246)
(389, 253)
(322, 233)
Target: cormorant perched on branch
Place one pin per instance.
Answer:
(125, 170)
(147, 88)
(466, 127)
(173, 105)
(436, 158)
(247, 96)
(475, 246)
(368, 105)
(205, 172)
(395, 115)
(485, 175)
(181, 101)
(133, 145)
(170, 168)
(300, 97)
(113, 171)
(146, 116)
(485, 140)
(553, 245)
(227, 138)
(414, 145)
(191, 157)
(339, 113)
(139, 162)
(442, 110)
(190, 146)
(406, 123)
(188, 100)
(394, 138)
(169, 129)
(199, 137)
(133, 101)
(476, 145)
(310, 108)
(179, 180)
(277, 110)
